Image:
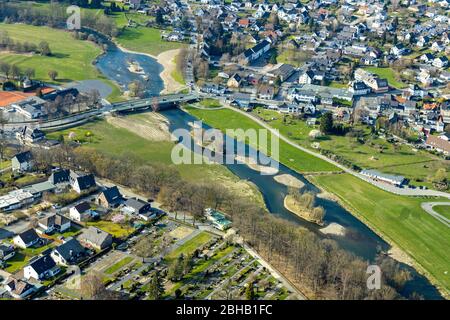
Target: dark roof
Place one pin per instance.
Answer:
(28, 236)
(42, 264)
(112, 195)
(52, 220)
(5, 250)
(136, 204)
(84, 181)
(82, 207)
(59, 176)
(70, 249)
(24, 156)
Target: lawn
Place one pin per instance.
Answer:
(118, 265)
(115, 229)
(398, 219)
(443, 210)
(210, 103)
(71, 58)
(146, 40)
(388, 74)
(176, 74)
(290, 156)
(22, 256)
(190, 246)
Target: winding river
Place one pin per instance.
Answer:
(359, 239)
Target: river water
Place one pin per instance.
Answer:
(359, 239)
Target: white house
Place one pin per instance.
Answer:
(55, 222)
(26, 239)
(82, 212)
(18, 289)
(22, 162)
(41, 268)
(440, 62)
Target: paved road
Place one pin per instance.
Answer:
(381, 185)
(428, 207)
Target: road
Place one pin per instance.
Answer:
(428, 207)
(384, 186)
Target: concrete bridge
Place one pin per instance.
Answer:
(159, 102)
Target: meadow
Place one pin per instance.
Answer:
(398, 219)
(375, 153)
(71, 58)
(224, 119)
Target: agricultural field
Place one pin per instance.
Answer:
(398, 219)
(71, 58)
(289, 155)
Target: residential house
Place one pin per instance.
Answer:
(441, 62)
(82, 212)
(18, 289)
(60, 178)
(439, 143)
(283, 72)
(41, 268)
(53, 223)
(6, 251)
(29, 135)
(399, 50)
(22, 162)
(82, 182)
(110, 197)
(70, 252)
(359, 88)
(234, 81)
(266, 92)
(377, 84)
(95, 238)
(26, 239)
(255, 52)
(136, 206)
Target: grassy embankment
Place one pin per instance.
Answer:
(71, 58)
(298, 160)
(398, 219)
(416, 165)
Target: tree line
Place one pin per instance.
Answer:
(319, 265)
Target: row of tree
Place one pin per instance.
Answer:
(317, 264)
(7, 43)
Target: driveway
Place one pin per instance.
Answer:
(428, 207)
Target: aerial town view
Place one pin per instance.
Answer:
(180, 150)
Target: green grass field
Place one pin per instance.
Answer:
(147, 40)
(71, 58)
(416, 165)
(224, 119)
(190, 246)
(443, 210)
(388, 74)
(118, 265)
(398, 219)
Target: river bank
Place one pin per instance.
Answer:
(395, 251)
(167, 60)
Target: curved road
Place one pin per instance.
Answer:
(428, 207)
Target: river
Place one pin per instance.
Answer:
(359, 239)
